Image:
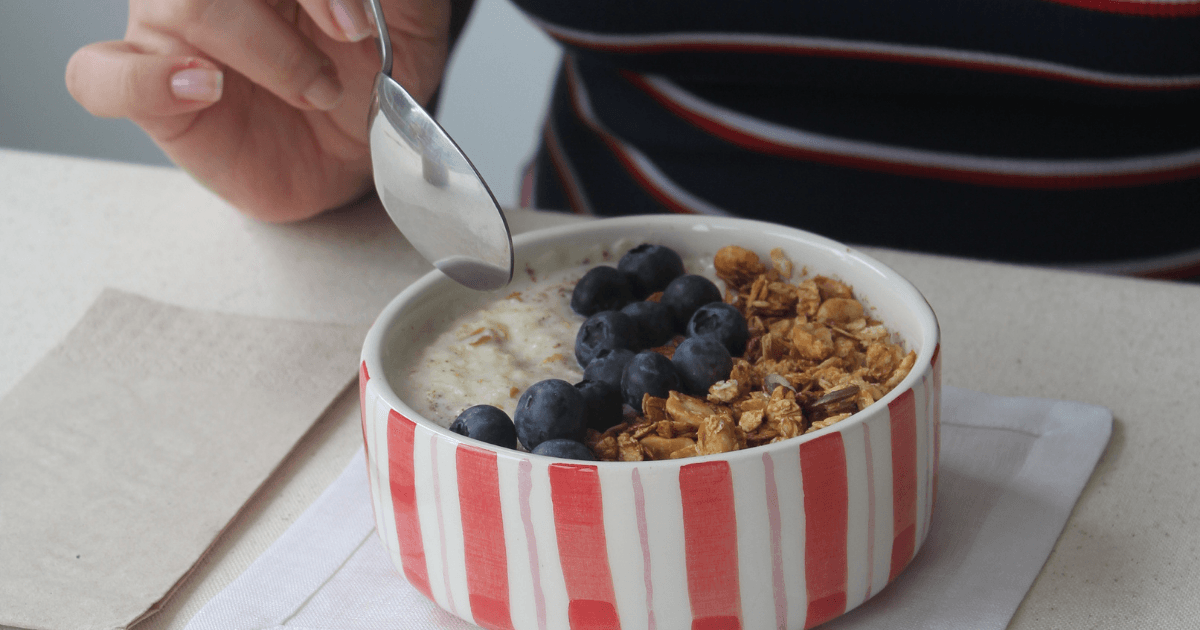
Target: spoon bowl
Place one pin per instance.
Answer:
(430, 189)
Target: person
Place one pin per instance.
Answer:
(1042, 131)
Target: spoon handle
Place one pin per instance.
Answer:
(385, 42)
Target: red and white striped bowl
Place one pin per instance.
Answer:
(787, 535)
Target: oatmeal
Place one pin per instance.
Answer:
(492, 355)
(806, 354)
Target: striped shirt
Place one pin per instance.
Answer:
(1044, 131)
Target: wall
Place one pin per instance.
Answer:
(496, 91)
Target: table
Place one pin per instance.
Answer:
(69, 227)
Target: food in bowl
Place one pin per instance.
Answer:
(786, 535)
(497, 350)
(765, 360)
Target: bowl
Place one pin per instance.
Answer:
(786, 535)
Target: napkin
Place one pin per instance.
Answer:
(1011, 470)
(131, 445)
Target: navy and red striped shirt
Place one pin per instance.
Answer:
(1045, 131)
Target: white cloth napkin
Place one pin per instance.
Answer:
(1011, 471)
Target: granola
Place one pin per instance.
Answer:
(815, 357)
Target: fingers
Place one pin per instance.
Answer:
(117, 80)
(344, 20)
(256, 41)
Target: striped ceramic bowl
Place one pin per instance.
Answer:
(787, 535)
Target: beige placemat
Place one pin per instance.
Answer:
(129, 447)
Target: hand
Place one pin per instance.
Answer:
(263, 101)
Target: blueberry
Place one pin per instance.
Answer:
(687, 293)
(601, 289)
(549, 410)
(601, 404)
(654, 321)
(650, 268)
(566, 449)
(608, 365)
(725, 323)
(606, 330)
(648, 373)
(701, 361)
(486, 424)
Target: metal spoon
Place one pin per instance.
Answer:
(430, 189)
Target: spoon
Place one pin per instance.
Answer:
(430, 189)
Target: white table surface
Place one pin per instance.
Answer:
(1128, 555)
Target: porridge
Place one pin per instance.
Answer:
(751, 356)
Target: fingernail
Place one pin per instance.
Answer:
(370, 13)
(353, 24)
(197, 84)
(325, 91)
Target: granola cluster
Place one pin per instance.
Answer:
(815, 357)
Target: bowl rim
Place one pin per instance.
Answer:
(927, 320)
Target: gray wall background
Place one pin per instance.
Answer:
(493, 99)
